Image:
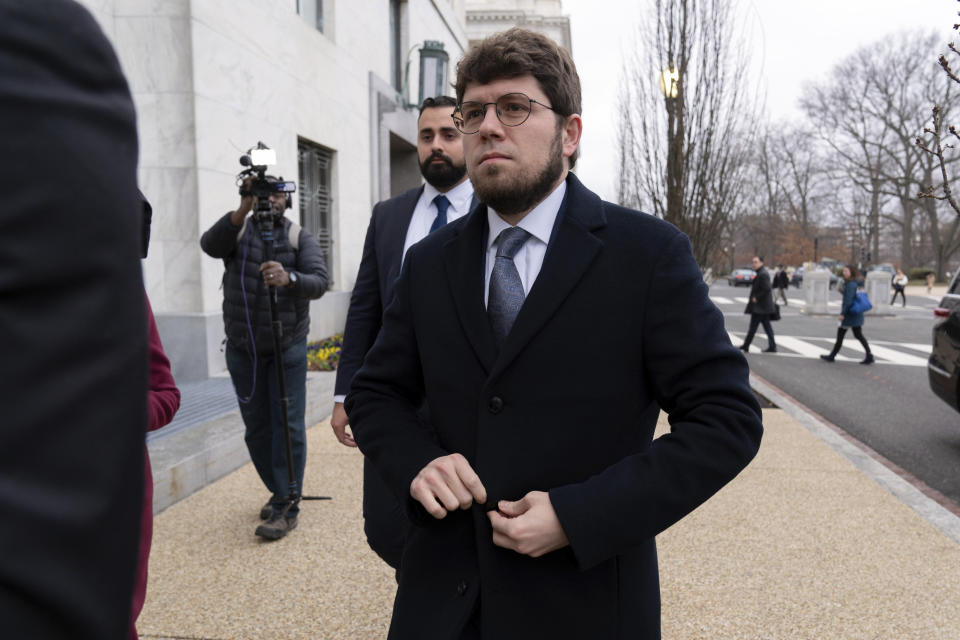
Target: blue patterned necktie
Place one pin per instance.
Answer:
(442, 205)
(506, 290)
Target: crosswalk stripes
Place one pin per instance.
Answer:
(814, 347)
(800, 304)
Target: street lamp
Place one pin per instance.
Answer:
(433, 69)
(669, 81)
(433, 72)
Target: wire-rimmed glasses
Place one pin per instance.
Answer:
(512, 109)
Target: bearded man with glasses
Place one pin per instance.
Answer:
(545, 331)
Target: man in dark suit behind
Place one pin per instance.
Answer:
(395, 226)
(545, 331)
(73, 342)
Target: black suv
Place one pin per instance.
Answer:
(943, 368)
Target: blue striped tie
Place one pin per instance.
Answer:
(442, 205)
(506, 290)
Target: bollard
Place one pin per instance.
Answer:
(877, 287)
(816, 289)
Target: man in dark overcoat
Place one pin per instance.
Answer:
(545, 332)
(760, 306)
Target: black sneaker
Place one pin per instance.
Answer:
(826, 358)
(770, 350)
(277, 527)
(868, 360)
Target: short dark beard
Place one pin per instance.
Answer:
(516, 196)
(442, 176)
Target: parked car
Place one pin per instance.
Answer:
(797, 278)
(885, 266)
(741, 276)
(943, 367)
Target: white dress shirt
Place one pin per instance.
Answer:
(426, 211)
(529, 259)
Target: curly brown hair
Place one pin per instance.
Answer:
(520, 52)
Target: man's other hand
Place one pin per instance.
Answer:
(446, 484)
(529, 526)
(274, 275)
(340, 422)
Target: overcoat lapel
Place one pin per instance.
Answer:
(464, 261)
(569, 255)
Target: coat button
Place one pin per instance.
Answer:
(495, 405)
(462, 588)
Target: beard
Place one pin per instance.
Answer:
(442, 176)
(511, 194)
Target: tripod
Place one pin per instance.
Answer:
(267, 224)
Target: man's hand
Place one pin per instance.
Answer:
(446, 484)
(274, 275)
(529, 526)
(247, 203)
(340, 422)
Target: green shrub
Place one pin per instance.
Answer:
(918, 273)
(324, 355)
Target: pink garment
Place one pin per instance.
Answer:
(163, 400)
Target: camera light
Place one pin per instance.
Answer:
(263, 157)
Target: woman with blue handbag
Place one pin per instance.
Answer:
(851, 315)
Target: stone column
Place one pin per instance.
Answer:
(877, 286)
(816, 289)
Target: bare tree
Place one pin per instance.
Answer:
(686, 156)
(870, 114)
(940, 144)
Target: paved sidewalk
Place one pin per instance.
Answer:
(803, 545)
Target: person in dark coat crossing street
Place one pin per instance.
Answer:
(545, 331)
(760, 306)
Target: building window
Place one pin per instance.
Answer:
(316, 200)
(312, 12)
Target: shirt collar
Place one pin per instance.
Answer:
(539, 222)
(459, 196)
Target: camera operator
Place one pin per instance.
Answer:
(298, 273)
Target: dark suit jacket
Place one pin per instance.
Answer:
(762, 290)
(617, 325)
(379, 268)
(73, 343)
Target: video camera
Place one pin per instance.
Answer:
(257, 160)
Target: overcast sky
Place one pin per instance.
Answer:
(800, 40)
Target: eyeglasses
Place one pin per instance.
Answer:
(513, 109)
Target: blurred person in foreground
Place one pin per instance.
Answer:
(395, 226)
(163, 400)
(545, 331)
(73, 340)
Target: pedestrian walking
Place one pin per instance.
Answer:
(760, 307)
(849, 319)
(930, 278)
(899, 282)
(780, 283)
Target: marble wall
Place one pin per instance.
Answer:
(211, 78)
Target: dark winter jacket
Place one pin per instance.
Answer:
(244, 290)
(849, 293)
(762, 292)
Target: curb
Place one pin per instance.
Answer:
(865, 459)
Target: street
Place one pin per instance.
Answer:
(888, 405)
